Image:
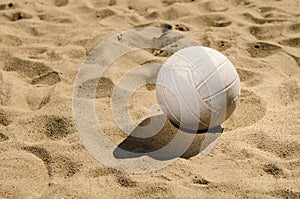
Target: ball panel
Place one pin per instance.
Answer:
(179, 63)
(225, 101)
(224, 91)
(167, 102)
(216, 71)
(205, 84)
(170, 105)
(219, 80)
(216, 57)
(200, 61)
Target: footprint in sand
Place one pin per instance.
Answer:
(275, 13)
(209, 20)
(36, 71)
(104, 88)
(58, 166)
(152, 15)
(167, 3)
(6, 6)
(296, 58)
(104, 13)
(102, 171)
(273, 169)
(142, 6)
(264, 10)
(290, 91)
(170, 44)
(41, 153)
(262, 49)
(258, 20)
(10, 40)
(164, 26)
(292, 42)
(63, 167)
(284, 193)
(220, 45)
(198, 180)
(38, 97)
(3, 137)
(248, 77)
(5, 119)
(60, 3)
(125, 181)
(25, 67)
(216, 6)
(17, 182)
(181, 27)
(280, 148)
(173, 12)
(294, 28)
(103, 3)
(17, 15)
(266, 32)
(153, 190)
(112, 2)
(46, 127)
(57, 128)
(56, 18)
(50, 78)
(36, 51)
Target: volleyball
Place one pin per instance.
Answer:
(198, 88)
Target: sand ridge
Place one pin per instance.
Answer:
(42, 45)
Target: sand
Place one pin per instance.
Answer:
(44, 42)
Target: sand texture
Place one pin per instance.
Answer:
(42, 46)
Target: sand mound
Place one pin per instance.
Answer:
(42, 45)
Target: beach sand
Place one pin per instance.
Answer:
(42, 46)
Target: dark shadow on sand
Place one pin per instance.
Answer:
(136, 147)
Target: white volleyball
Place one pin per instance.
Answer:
(198, 88)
